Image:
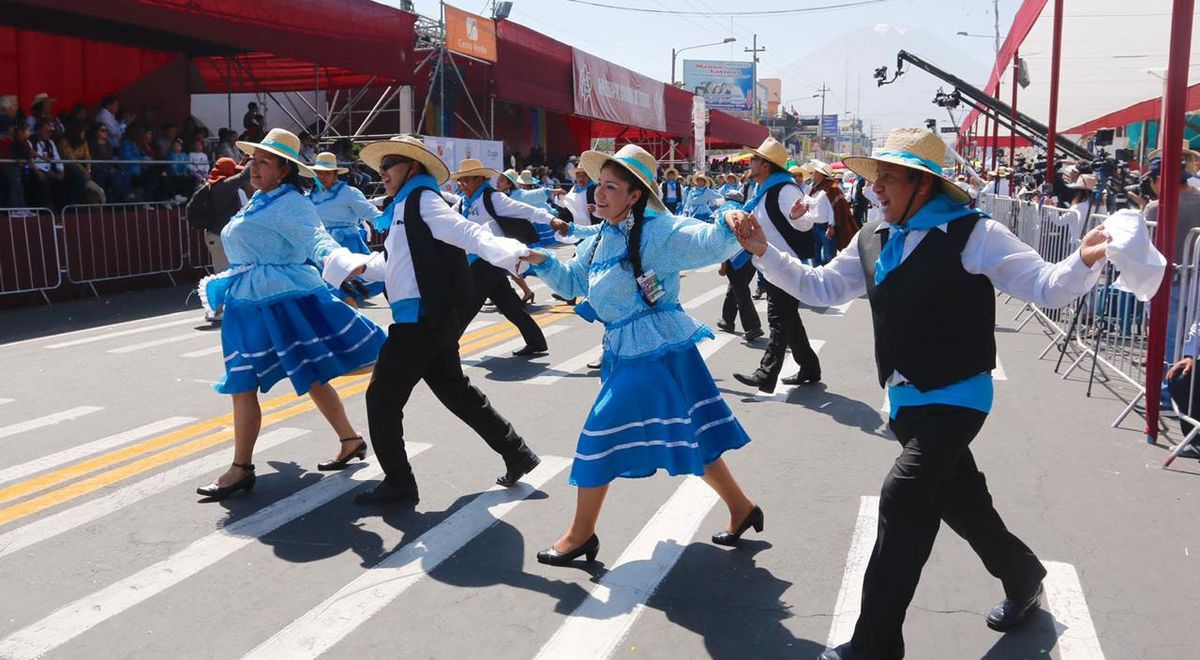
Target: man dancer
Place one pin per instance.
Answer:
(425, 269)
(773, 200)
(672, 191)
(503, 216)
(928, 270)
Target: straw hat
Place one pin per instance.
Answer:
(698, 177)
(1084, 182)
(38, 98)
(773, 151)
(796, 170)
(820, 167)
(915, 148)
(634, 159)
(407, 146)
(282, 143)
(670, 171)
(527, 178)
(1187, 152)
(730, 177)
(327, 162)
(473, 167)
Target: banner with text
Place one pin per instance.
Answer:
(453, 150)
(470, 35)
(829, 124)
(613, 93)
(723, 85)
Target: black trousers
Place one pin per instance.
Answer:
(738, 299)
(934, 479)
(492, 282)
(787, 331)
(421, 351)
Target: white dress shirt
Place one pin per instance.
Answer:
(787, 197)
(820, 210)
(506, 207)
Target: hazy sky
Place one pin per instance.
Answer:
(805, 50)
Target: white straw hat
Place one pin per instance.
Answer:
(915, 148)
(773, 151)
(512, 176)
(282, 143)
(473, 167)
(819, 167)
(407, 146)
(634, 159)
(327, 162)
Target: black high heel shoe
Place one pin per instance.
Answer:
(246, 483)
(753, 519)
(341, 463)
(553, 557)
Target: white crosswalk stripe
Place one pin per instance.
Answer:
(501, 350)
(1077, 638)
(552, 375)
(998, 373)
(711, 294)
(174, 339)
(65, 521)
(124, 333)
(845, 611)
(602, 620)
(211, 350)
(320, 628)
(782, 392)
(88, 448)
(81, 615)
(47, 420)
(4, 401)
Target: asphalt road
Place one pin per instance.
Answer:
(108, 424)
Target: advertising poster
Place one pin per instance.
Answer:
(613, 93)
(723, 85)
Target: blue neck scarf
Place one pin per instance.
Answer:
(577, 189)
(326, 195)
(937, 211)
(384, 221)
(772, 181)
(261, 200)
(469, 200)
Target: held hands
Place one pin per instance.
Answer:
(560, 226)
(1094, 246)
(534, 257)
(1181, 368)
(799, 208)
(749, 232)
(355, 273)
(591, 209)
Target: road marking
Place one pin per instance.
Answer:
(836, 310)
(708, 348)
(998, 373)
(478, 325)
(211, 350)
(67, 520)
(506, 348)
(711, 294)
(1077, 638)
(601, 621)
(67, 455)
(552, 375)
(159, 342)
(124, 333)
(47, 420)
(84, 614)
(4, 401)
(319, 629)
(849, 600)
(71, 333)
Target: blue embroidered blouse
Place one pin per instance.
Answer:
(670, 244)
(343, 206)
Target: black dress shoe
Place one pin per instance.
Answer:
(756, 380)
(751, 335)
(595, 365)
(753, 519)
(555, 558)
(803, 377)
(385, 493)
(726, 326)
(569, 301)
(1009, 613)
(842, 652)
(530, 350)
(517, 469)
(217, 493)
(340, 464)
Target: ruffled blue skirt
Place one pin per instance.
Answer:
(354, 238)
(309, 338)
(657, 413)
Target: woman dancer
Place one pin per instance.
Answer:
(280, 317)
(658, 406)
(343, 209)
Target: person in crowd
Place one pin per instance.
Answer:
(136, 146)
(112, 178)
(731, 184)
(652, 370)
(800, 174)
(198, 158)
(930, 270)
(279, 311)
(738, 300)
(569, 168)
(1181, 383)
(48, 180)
(226, 147)
(78, 117)
(702, 199)
(164, 141)
(12, 185)
(580, 201)
(672, 191)
(776, 196)
(107, 116)
(425, 270)
(253, 121)
(181, 180)
(860, 204)
(817, 206)
(999, 185)
(213, 205)
(344, 210)
(503, 216)
(41, 109)
(73, 146)
(308, 150)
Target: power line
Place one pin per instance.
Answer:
(765, 12)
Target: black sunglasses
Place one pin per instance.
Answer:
(391, 161)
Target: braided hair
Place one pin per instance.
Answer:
(639, 220)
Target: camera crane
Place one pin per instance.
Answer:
(1000, 112)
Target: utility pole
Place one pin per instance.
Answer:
(821, 119)
(754, 50)
(996, 15)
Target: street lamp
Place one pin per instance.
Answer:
(675, 52)
(962, 33)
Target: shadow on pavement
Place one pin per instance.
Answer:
(1035, 639)
(32, 322)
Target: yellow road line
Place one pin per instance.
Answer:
(349, 386)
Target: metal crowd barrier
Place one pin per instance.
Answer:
(120, 241)
(30, 260)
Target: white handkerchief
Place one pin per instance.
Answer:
(340, 263)
(1134, 256)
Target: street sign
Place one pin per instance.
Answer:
(949, 129)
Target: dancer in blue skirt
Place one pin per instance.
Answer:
(658, 407)
(281, 319)
(343, 210)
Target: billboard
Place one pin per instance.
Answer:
(613, 93)
(724, 85)
(829, 124)
(470, 35)
(453, 150)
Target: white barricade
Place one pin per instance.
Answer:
(119, 241)
(29, 255)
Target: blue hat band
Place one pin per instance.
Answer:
(913, 159)
(636, 164)
(280, 146)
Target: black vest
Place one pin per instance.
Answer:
(518, 228)
(934, 321)
(801, 242)
(441, 269)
